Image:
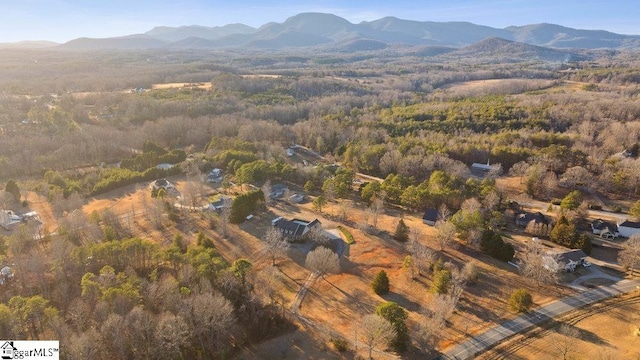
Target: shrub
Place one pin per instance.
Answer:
(380, 284)
(520, 301)
(616, 209)
(340, 344)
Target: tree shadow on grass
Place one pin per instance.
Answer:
(402, 301)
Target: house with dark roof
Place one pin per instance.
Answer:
(566, 260)
(294, 229)
(525, 218)
(430, 217)
(628, 228)
(601, 227)
(221, 203)
(162, 184)
(277, 191)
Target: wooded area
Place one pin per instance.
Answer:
(72, 128)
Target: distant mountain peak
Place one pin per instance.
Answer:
(314, 29)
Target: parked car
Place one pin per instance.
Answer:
(586, 263)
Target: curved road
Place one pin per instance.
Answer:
(492, 337)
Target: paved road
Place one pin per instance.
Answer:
(492, 337)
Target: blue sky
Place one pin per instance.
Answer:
(63, 20)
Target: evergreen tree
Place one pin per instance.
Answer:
(380, 284)
(441, 281)
(402, 231)
(13, 189)
(397, 316)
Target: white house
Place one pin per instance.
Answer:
(481, 170)
(8, 218)
(566, 260)
(628, 228)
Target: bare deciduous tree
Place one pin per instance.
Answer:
(172, 334)
(374, 330)
(266, 191)
(538, 266)
(376, 208)
(275, 245)
(519, 169)
(629, 257)
(423, 256)
(565, 341)
(225, 215)
(446, 233)
(323, 261)
(211, 318)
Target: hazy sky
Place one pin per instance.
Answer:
(63, 20)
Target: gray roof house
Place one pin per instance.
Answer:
(277, 191)
(601, 227)
(628, 228)
(523, 219)
(430, 217)
(566, 260)
(294, 229)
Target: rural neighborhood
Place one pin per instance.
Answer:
(321, 189)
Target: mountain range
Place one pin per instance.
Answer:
(331, 32)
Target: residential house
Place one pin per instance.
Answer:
(566, 260)
(9, 218)
(294, 229)
(480, 170)
(221, 203)
(277, 191)
(6, 274)
(215, 176)
(525, 218)
(296, 198)
(628, 228)
(290, 151)
(601, 227)
(162, 184)
(165, 166)
(430, 217)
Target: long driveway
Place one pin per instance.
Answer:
(492, 337)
